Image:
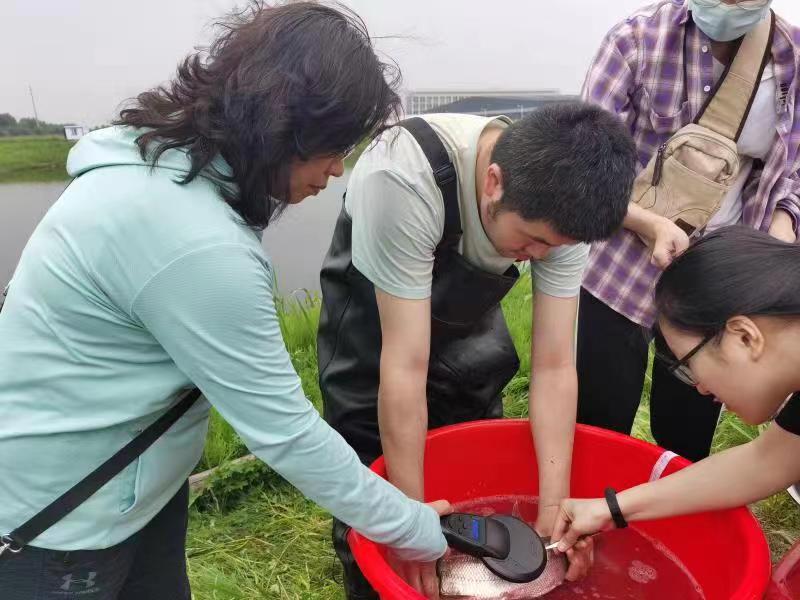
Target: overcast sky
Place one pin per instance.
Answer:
(83, 57)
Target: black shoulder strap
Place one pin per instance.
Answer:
(3, 297)
(70, 500)
(444, 172)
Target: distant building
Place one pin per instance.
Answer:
(75, 132)
(512, 103)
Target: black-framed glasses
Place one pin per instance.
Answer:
(679, 367)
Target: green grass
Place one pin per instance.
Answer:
(275, 544)
(43, 158)
(222, 444)
(33, 158)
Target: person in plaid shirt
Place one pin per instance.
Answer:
(655, 69)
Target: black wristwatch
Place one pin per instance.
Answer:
(613, 506)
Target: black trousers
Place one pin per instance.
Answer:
(612, 360)
(149, 565)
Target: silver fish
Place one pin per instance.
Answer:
(463, 576)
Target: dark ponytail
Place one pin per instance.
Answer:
(734, 271)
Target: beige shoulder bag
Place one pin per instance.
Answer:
(691, 173)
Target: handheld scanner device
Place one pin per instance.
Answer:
(508, 546)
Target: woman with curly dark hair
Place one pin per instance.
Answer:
(147, 279)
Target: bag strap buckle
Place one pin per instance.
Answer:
(6, 543)
(445, 174)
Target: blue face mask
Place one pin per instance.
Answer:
(725, 22)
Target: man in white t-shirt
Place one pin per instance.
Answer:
(411, 335)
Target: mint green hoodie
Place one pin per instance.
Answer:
(131, 288)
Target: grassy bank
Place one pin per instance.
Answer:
(254, 537)
(33, 158)
(44, 158)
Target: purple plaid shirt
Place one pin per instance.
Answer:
(638, 74)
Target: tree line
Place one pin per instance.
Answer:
(9, 126)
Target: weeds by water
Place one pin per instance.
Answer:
(33, 158)
(257, 538)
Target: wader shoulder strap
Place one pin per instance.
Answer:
(726, 109)
(19, 538)
(444, 172)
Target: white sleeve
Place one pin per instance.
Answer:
(395, 232)
(561, 273)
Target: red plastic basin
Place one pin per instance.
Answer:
(786, 577)
(725, 551)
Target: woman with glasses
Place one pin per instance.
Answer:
(656, 69)
(148, 276)
(728, 323)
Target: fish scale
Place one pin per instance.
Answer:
(464, 577)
